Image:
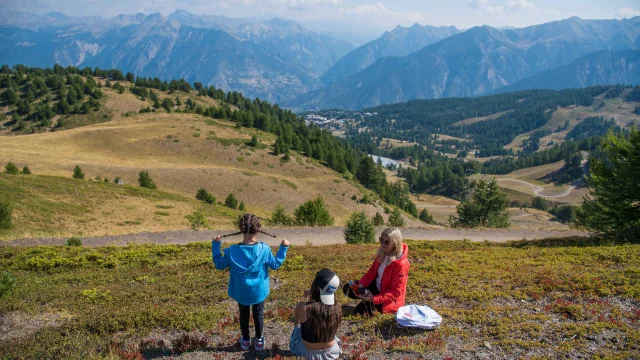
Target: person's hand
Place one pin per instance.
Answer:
(217, 239)
(368, 297)
(285, 242)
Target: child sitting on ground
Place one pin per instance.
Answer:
(249, 263)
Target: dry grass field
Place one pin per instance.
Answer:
(182, 152)
(536, 176)
(474, 120)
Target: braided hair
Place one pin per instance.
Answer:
(250, 224)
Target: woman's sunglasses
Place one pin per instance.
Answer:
(384, 242)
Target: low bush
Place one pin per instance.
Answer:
(359, 229)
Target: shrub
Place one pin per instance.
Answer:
(426, 217)
(145, 181)
(7, 283)
(11, 168)
(231, 202)
(241, 207)
(74, 241)
(539, 203)
(197, 219)
(313, 213)
(5, 215)
(279, 217)
(564, 213)
(378, 220)
(77, 173)
(485, 208)
(359, 229)
(395, 219)
(116, 180)
(205, 196)
(611, 207)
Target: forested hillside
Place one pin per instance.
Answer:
(455, 135)
(40, 100)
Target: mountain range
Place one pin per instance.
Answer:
(479, 61)
(281, 61)
(274, 59)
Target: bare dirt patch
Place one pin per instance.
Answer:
(17, 325)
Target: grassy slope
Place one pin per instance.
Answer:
(46, 206)
(524, 301)
(621, 111)
(182, 152)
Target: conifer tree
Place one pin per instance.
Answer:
(11, 168)
(77, 173)
(612, 208)
(145, 181)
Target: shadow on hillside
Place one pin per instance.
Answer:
(577, 241)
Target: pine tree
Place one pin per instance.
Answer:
(77, 173)
(486, 207)
(426, 217)
(145, 181)
(280, 217)
(313, 213)
(241, 207)
(26, 171)
(359, 229)
(231, 202)
(396, 219)
(612, 207)
(11, 168)
(378, 220)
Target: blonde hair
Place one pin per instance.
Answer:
(395, 236)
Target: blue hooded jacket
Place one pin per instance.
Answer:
(249, 269)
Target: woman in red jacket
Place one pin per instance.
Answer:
(386, 280)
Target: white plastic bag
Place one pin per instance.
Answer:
(420, 316)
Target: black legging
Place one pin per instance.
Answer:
(258, 319)
(364, 307)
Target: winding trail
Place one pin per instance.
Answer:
(304, 236)
(537, 189)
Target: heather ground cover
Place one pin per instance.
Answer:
(539, 299)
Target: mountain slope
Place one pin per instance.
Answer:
(399, 42)
(273, 59)
(473, 63)
(599, 68)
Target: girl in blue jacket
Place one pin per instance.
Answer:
(249, 263)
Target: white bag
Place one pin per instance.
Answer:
(420, 316)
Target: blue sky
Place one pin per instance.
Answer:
(358, 19)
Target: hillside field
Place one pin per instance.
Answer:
(516, 300)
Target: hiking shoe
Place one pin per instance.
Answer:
(259, 343)
(244, 344)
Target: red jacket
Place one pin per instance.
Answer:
(393, 285)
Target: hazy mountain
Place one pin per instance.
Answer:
(399, 42)
(273, 60)
(474, 62)
(599, 68)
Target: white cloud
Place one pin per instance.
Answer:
(381, 11)
(515, 5)
(494, 9)
(478, 4)
(626, 12)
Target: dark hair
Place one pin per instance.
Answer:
(323, 319)
(250, 224)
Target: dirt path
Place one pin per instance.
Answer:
(303, 236)
(537, 189)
